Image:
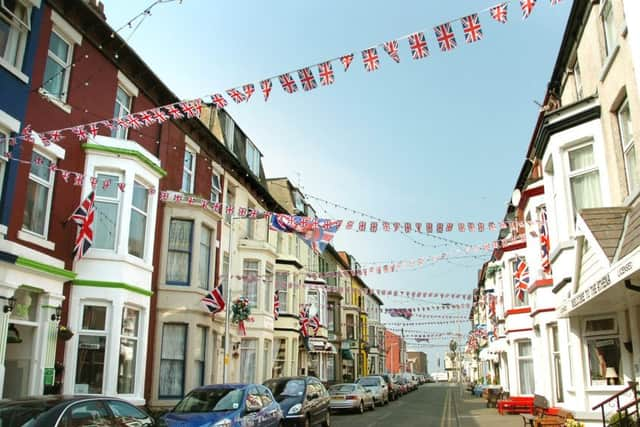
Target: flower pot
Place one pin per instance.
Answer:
(65, 334)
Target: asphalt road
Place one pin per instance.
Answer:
(437, 405)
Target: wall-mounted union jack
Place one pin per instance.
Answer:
(84, 216)
(545, 244)
(214, 301)
(521, 278)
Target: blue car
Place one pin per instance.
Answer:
(225, 405)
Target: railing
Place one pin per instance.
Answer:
(621, 420)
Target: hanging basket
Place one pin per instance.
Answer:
(64, 333)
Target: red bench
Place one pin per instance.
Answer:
(516, 405)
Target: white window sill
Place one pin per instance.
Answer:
(30, 237)
(109, 255)
(13, 70)
(608, 63)
(55, 101)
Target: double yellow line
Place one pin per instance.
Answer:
(449, 416)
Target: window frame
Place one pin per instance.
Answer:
(513, 264)
(519, 359)
(610, 37)
(191, 172)
(574, 174)
(185, 327)
(65, 64)
(19, 38)
(556, 362)
(146, 219)
(246, 281)
(627, 146)
(115, 177)
(243, 348)
(50, 187)
(190, 252)
(136, 339)
(216, 189)
(282, 288)
(117, 112)
(229, 133)
(577, 80)
(267, 364)
(201, 359)
(93, 333)
(206, 283)
(252, 154)
(269, 277)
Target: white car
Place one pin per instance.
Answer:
(378, 387)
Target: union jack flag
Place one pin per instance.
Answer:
(545, 244)
(499, 12)
(527, 7)
(147, 118)
(370, 59)
(446, 38)
(192, 108)
(276, 305)
(248, 90)
(175, 112)
(555, 2)
(325, 71)
(159, 116)
(84, 216)
(316, 236)
(315, 324)
(236, 95)
(391, 47)
(133, 121)
(219, 100)
(55, 136)
(304, 321)
(307, 79)
(288, 84)
(418, 45)
(266, 86)
(93, 129)
(80, 132)
(346, 60)
(214, 301)
(472, 28)
(521, 278)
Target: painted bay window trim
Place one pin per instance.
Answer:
(45, 268)
(135, 154)
(112, 285)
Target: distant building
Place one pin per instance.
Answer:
(420, 362)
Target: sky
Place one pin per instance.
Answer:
(440, 139)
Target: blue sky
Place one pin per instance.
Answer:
(439, 139)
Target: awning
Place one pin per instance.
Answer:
(346, 354)
(498, 346)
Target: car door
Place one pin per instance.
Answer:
(270, 410)
(323, 400)
(89, 413)
(127, 415)
(311, 402)
(252, 418)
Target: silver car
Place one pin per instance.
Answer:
(351, 397)
(378, 387)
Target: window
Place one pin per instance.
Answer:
(204, 271)
(556, 363)
(179, 256)
(525, 367)
(577, 80)
(248, 350)
(122, 108)
(138, 222)
(124, 412)
(250, 281)
(331, 318)
(231, 201)
(253, 158)
(372, 336)
(225, 275)
(298, 202)
(603, 349)
(86, 414)
(313, 299)
(92, 339)
(267, 286)
(279, 357)
(15, 24)
(584, 178)
(174, 344)
(609, 29)
(200, 352)
(282, 277)
(189, 171)
(351, 330)
(266, 369)
(628, 147)
(39, 190)
(107, 205)
(250, 232)
(520, 296)
(331, 367)
(58, 68)
(128, 350)
(229, 130)
(216, 190)
(4, 148)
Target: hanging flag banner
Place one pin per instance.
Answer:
(347, 60)
(391, 47)
(325, 71)
(499, 12)
(316, 233)
(471, 28)
(307, 79)
(527, 7)
(418, 45)
(445, 37)
(370, 59)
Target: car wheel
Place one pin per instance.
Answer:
(373, 405)
(327, 419)
(361, 408)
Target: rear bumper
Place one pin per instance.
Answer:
(344, 404)
(294, 420)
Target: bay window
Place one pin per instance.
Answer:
(266, 361)
(584, 178)
(58, 66)
(200, 352)
(107, 204)
(351, 329)
(188, 171)
(608, 28)
(268, 287)
(603, 349)
(138, 222)
(253, 158)
(179, 253)
(250, 272)
(520, 294)
(279, 357)
(556, 363)
(248, 356)
(281, 285)
(525, 366)
(122, 108)
(128, 350)
(15, 24)
(216, 189)
(39, 191)
(172, 357)
(92, 339)
(205, 258)
(628, 148)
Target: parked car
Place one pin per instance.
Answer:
(394, 388)
(351, 397)
(225, 405)
(59, 411)
(378, 388)
(304, 400)
(402, 383)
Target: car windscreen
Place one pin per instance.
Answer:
(212, 400)
(24, 413)
(286, 388)
(342, 388)
(369, 382)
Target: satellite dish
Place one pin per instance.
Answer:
(515, 197)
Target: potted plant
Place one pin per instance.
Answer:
(64, 333)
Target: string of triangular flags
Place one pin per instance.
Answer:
(417, 43)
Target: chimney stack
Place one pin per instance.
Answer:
(97, 7)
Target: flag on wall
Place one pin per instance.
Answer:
(521, 275)
(213, 301)
(545, 244)
(84, 216)
(276, 305)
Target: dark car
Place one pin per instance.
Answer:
(394, 388)
(225, 405)
(304, 400)
(63, 411)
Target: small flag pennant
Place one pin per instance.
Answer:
(346, 60)
(499, 12)
(391, 47)
(288, 84)
(266, 86)
(370, 59)
(527, 7)
(325, 71)
(307, 79)
(248, 89)
(445, 37)
(472, 28)
(418, 45)
(236, 95)
(219, 100)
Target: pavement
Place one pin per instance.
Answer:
(437, 405)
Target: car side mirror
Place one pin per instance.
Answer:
(252, 406)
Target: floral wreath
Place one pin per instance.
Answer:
(240, 312)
